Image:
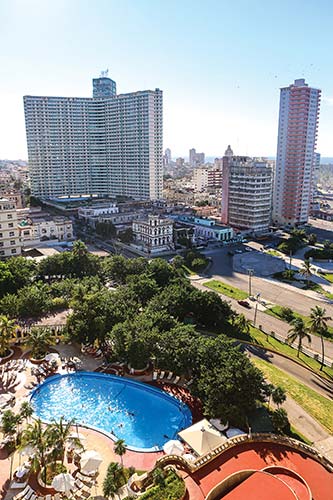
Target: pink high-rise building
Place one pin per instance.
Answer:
(298, 125)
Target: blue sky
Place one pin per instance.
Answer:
(219, 63)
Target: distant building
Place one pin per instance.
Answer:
(196, 159)
(16, 197)
(10, 244)
(105, 145)
(298, 124)
(206, 229)
(154, 234)
(36, 227)
(167, 157)
(97, 210)
(204, 178)
(180, 162)
(229, 152)
(246, 193)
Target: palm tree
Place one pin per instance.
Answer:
(306, 271)
(318, 324)
(38, 438)
(243, 324)
(120, 449)
(7, 331)
(40, 338)
(79, 249)
(61, 433)
(279, 395)
(298, 331)
(26, 410)
(111, 481)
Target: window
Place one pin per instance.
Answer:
(12, 242)
(9, 216)
(10, 224)
(11, 233)
(13, 250)
(2, 252)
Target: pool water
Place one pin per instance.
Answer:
(144, 416)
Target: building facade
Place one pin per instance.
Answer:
(107, 145)
(154, 234)
(34, 230)
(297, 136)
(246, 193)
(97, 211)
(10, 244)
(196, 159)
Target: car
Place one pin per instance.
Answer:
(238, 251)
(248, 249)
(244, 303)
(231, 253)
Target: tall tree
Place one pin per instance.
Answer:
(298, 332)
(61, 432)
(7, 331)
(306, 270)
(120, 449)
(318, 324)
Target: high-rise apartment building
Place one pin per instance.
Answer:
(10, 244)
(298, 124)
(196, 159)
(107, 145)
(246, 193)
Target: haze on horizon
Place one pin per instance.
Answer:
(220, 64)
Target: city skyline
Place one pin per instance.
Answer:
(221, 66)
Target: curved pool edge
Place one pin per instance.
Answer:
(107, 434)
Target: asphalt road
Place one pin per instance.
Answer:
(271, 291)
(270, 323)
(302, 374)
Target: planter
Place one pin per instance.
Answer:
(6, 358)
(41, 482)
(138, 371)
(37, 361)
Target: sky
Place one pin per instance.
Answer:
(220, 64)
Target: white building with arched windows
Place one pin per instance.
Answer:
(154, 234)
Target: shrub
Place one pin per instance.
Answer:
(287, 314)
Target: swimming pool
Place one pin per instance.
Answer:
(144, 416)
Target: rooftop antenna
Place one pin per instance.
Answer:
(105, 73)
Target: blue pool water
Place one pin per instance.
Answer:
(144, 416)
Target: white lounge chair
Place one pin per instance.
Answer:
(22, 493)
(176, 379)
(169, 377)
(162, 374)
(155, 375)
(48, 497)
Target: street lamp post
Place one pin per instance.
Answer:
(256, 310)
(250, 273)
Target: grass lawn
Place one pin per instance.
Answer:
(228, 290)
(328, 277)
(276, 312)
(295, 434)
(275, 253)
(263, 340)
(188, 270)
(316, 405)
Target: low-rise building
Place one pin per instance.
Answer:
(16, 197)
(154, 234)
(36, 228)
(206, 229)
(97, 210)
(10, 244)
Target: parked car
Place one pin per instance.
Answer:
(244, 303)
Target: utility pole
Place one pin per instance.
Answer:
(250, 273)
(256, 310)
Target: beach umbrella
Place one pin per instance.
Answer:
(173, 447)
(27, 450)
(52, 356)
(90, 461)
(63, 482)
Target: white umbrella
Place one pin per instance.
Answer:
(63, 482)
(52, 356)
(173, 447)
(27, 450)
(90, 461)
(189, 457)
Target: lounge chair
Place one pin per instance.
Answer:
(155, 375)
(162, 374)
(176, 379)
(57, 496)
(22, 493)
(85, 479)
(169, 377)
(48, 497)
